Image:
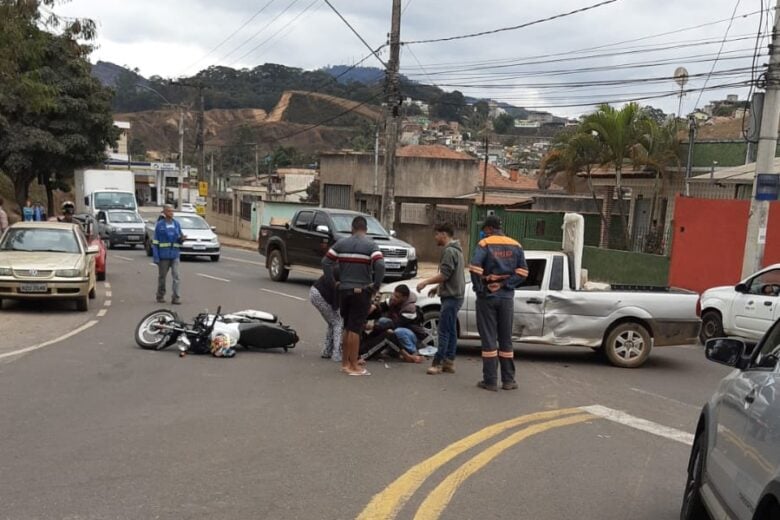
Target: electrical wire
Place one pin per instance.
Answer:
(513, 28)
(259, 31)
(223, 42)
(355, 32)
(715, 63)
(282, 28)
(306, 12)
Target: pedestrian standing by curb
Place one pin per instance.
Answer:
(165, 248)
(451, 286)
(324, 296)
(28, 213)
(3, 217)
(497, 268)
(361, 270)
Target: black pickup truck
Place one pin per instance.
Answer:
(308, 236)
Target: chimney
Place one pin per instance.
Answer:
(513, 174)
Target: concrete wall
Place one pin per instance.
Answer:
(421, 237)
(418, 177)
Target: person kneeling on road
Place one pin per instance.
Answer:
(399, 318)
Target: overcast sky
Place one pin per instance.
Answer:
(174, 37)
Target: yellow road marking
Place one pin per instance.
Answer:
(387, 503)
(437, 500)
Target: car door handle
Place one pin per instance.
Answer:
(768, 304)
(535, 301)
(751, 397)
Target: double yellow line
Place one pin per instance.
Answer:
(386, 504)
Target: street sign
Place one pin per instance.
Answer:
(163, 166)
(767, 186)
(203, 189)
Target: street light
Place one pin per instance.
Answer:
(181, 140)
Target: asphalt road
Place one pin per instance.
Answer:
(93, 427)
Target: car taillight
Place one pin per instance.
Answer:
(698, 307)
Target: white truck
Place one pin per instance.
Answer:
(100, 190)
(746, 310)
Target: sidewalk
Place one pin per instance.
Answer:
(424, 269)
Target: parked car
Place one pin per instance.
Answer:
(89, 226)
(734, 467)
(745, 310)
(47, 260)
(200, 237)
(623, 322)
(311, 232)
(187, 207)
(121, 227)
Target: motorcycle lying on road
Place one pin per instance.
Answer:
(214, 333)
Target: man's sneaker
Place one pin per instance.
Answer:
(509, 386)
(434, 369)
(483, 385)
(448, 367)
(160, 299)
(176, 301)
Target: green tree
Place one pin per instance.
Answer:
(136, 148)
(450, 106)
(54, 117)
(503, 123)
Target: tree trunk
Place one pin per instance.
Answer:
(49, 197)
(606, 216)
(623, 220)
(21, 192)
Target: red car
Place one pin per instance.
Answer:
(93, 238)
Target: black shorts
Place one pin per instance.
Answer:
(354, 309)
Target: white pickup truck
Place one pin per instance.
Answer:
(551, 309)
(745, 310)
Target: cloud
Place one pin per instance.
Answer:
(175, 37)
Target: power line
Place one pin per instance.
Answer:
(355, 32)
(513, 28)
(263, 28)
(715, 63)
(223, 42)
(285, 26)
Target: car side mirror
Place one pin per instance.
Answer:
(214, 228)
(102, 220)
(287, 225)
(323, 229)
(93, 250)
(726, 351)
(741, 288)
(392, 232)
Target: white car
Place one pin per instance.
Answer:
(201, 239)
(188, 207)
(746, 310)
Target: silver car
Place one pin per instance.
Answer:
(734, 468)
(120, 227)
(200, 239)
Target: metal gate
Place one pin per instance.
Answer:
(337, 196)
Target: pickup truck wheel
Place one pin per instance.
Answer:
(276, 268)
(711, 326)
(628, 345)
(431, 325)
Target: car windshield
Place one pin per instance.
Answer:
(343, 224)
(40, 240)
(124, 217)
(113, 200)
(192, 222)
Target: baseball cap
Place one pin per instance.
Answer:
(492, 221)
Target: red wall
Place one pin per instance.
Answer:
(709, 240)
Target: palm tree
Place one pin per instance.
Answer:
(617, 130)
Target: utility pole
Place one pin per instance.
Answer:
(181, 152)
(484, 173)
(691, 143)
(257, 167)
(392, 86)
(767, 144)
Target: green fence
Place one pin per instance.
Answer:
(612, 266)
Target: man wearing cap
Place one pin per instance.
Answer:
(497, 268)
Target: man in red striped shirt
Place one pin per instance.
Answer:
(361, 268)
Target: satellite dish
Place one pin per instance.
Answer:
(681, 76)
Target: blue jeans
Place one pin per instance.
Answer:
(407, 339)
(448, 329)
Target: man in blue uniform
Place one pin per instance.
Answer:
(165, 247)
(497, 268)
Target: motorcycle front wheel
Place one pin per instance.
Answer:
(150, 336)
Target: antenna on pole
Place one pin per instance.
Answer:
(681, 78)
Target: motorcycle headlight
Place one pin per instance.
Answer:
(6, 271)
(412, 254)
(67, 273)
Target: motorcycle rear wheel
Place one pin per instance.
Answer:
(148, 336)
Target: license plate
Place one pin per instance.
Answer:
(392, 265)
(33, 288)
(199, 248)
(134, 237)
